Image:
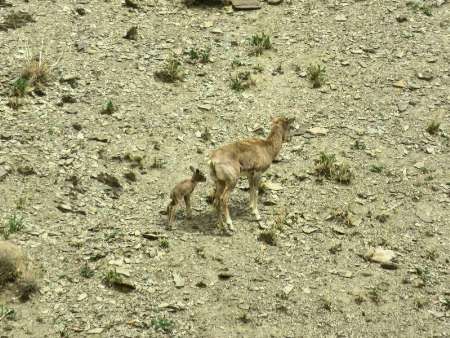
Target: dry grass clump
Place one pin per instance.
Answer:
(33, 77)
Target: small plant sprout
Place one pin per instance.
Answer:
(433, 127)
(376, 168)
(111, 278)
(13, 225)
(171, 72)
(7, 313)
(109, 108)
(162, 324)
(158, 163)
(316, 74)
(424, 274)
(268, 236)
(420, 5)
(193, 54)
(358, 145)
(20, 87)
(200, 55)
(236, 63)
(164, 243)
(374, 294)
(86, 271)
(241, 81)
(446, 303)
(259, 43)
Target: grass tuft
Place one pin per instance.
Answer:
(259, 43)
(327, 166)
(316, 74)
(171, 72)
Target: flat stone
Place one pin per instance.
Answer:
(274, 2)
(419, 165)
(402, 107)
(245, 4)
(340, 18)
(288, 289)
(399, 84)
(318, 131)
(308, 229)
(96, 330)
(178, 280)
(427, 76)
(380, 255)
(71, 110)
(123, 271)
(205, 107)
(425, 212)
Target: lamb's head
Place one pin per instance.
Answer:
(197, 175)
(285, 124)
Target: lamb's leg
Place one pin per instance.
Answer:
(187, 200)
(171, 210)
(211, 196)
(254, 187)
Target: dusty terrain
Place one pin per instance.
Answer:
(387, 77)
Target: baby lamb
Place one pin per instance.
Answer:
(249, 157)
(183, 190)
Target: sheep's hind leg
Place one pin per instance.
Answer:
(225, 204)
(217, 203)
(254, 180)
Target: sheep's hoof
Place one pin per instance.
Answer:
(230, 227)
(229, 231)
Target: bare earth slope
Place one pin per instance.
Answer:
(386, 80)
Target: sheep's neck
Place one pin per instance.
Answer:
(274, 141)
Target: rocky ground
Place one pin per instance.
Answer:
(88, 181)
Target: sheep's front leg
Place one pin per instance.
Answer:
(187, 200)
(254, 180)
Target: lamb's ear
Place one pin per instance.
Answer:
(192, 169)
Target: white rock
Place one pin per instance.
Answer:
(380, 255)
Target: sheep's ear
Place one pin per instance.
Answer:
(275, 119)
(192, 169)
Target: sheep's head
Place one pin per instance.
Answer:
(197, 175)
(285, 123)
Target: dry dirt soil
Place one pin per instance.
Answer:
(92, 188)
